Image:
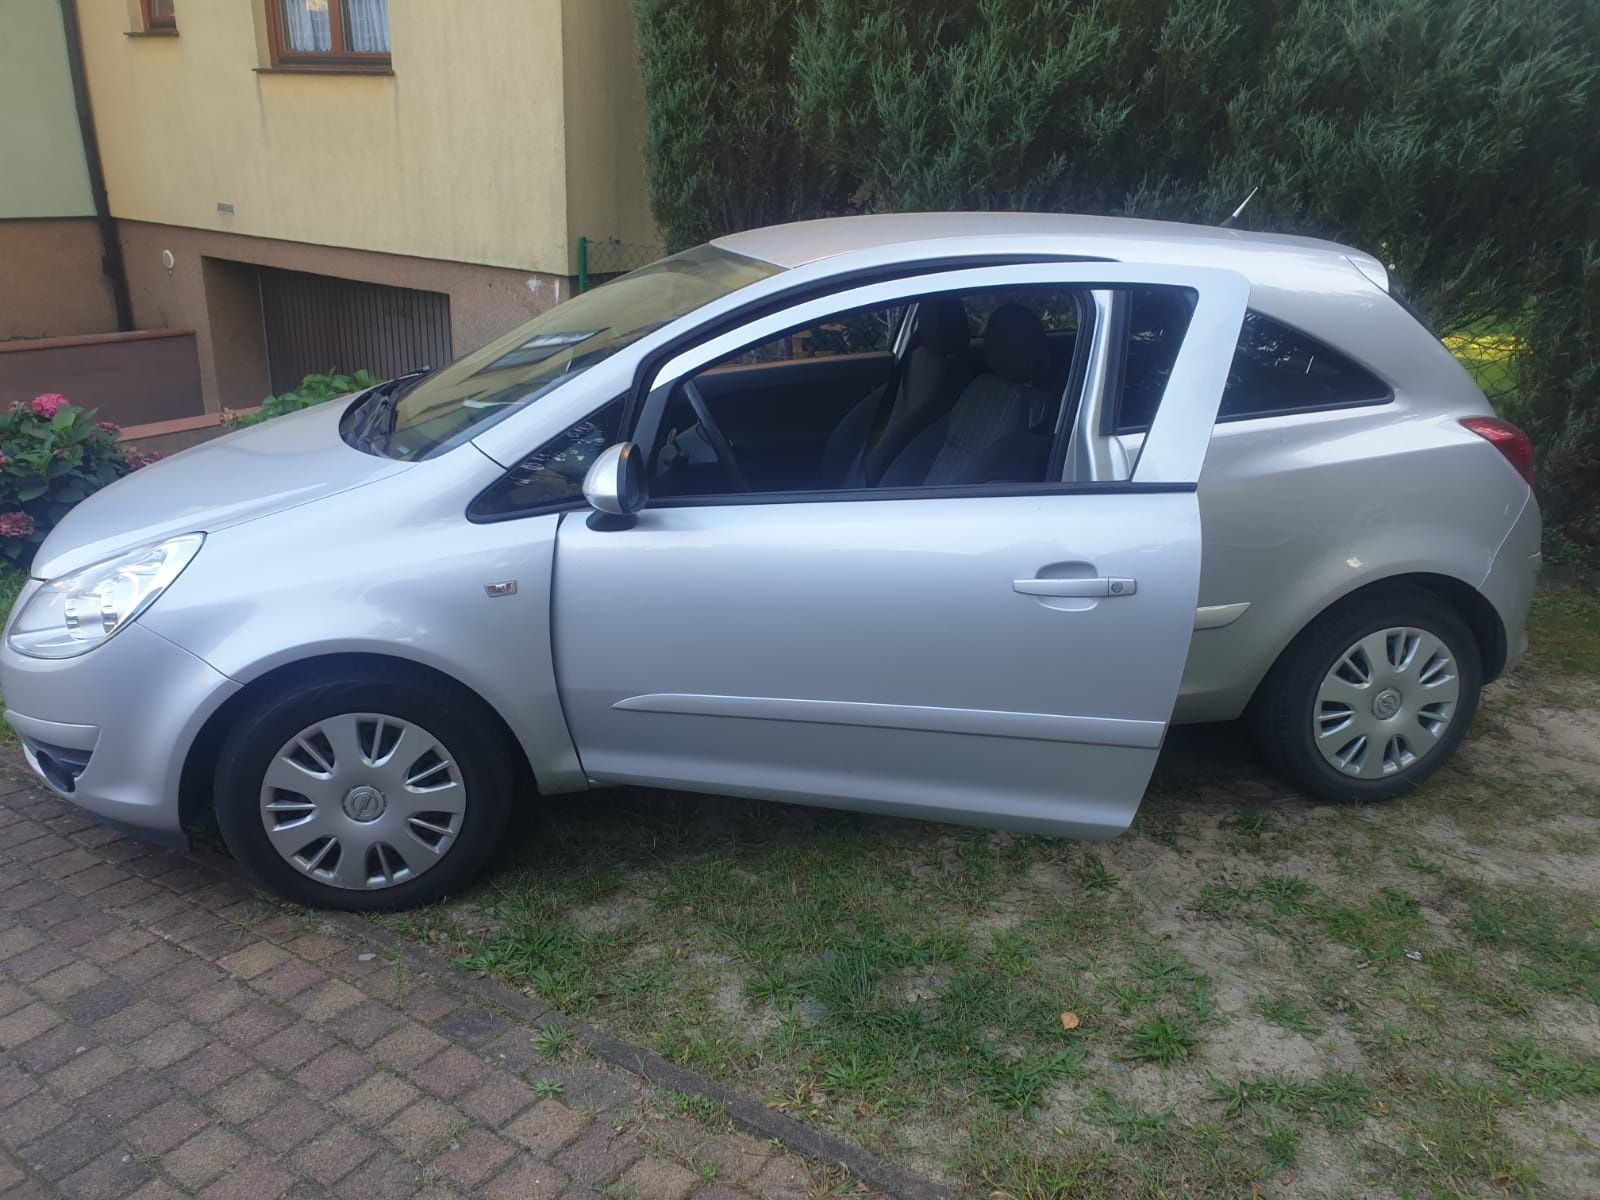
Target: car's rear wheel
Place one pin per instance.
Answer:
(1372, 698)
(363, 794)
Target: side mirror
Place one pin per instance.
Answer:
(614, 486)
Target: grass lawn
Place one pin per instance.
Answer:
(1487, 354)
(1265, 996)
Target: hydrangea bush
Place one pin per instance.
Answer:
(52, 455)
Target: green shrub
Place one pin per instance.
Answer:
(52, 455)
(313, 389)
(1455, 140)
(1556, 398)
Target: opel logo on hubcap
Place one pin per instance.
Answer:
(364, 804)
(1386, 704)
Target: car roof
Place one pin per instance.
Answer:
(1319, 287)
(1259, 256)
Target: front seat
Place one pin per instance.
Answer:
(934, 371)
(1001, 425)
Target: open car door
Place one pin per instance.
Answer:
(998, 654)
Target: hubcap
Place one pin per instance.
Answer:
(363, 801)
(1386, 702)
(364, 804)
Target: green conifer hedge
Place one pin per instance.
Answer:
(1457, 139)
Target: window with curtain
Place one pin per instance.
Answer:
(159, 16)
(322, 32)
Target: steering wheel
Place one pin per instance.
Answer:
(714, 435)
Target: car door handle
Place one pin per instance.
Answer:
(1116, 585)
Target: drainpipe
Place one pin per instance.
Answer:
(110, 246)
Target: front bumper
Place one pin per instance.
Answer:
(110, 730)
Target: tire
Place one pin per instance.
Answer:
(1312, 711)
(351, 779)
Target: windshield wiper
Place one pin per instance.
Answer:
(381, 409)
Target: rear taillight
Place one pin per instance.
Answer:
(1508, 439)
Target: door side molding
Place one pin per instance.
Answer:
(982, 722)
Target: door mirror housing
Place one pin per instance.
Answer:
(615, 485)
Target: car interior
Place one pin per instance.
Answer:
(947, 391)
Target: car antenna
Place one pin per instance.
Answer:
(1233, 217)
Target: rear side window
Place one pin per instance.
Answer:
(1280, 370)
(1276, 370)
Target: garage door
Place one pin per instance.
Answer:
(315, 324)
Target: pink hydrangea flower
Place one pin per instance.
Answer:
(15, 524)
(108, 426)
(47, 405)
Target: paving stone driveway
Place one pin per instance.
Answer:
(164, 1032)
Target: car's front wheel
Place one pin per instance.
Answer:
(363, 794)
(1372, 698)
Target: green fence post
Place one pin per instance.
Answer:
(583, 263)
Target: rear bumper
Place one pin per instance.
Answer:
(1512, 577)
(110, 730)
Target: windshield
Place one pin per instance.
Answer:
(456, 403)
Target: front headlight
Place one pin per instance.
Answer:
(72, 615)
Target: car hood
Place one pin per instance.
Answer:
(280, 464)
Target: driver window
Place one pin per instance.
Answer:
(868, 332)
(768, 418)
(974, 398)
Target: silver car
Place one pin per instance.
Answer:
(943, 515)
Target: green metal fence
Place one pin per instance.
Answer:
(603, 259)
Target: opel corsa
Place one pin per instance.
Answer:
(943, 515)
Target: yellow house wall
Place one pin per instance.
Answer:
(604, 99)
(42, 172)
(462, 154)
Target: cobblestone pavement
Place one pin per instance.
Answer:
(165, 1032)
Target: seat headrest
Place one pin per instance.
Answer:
(942, 326)
(1014, 344)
